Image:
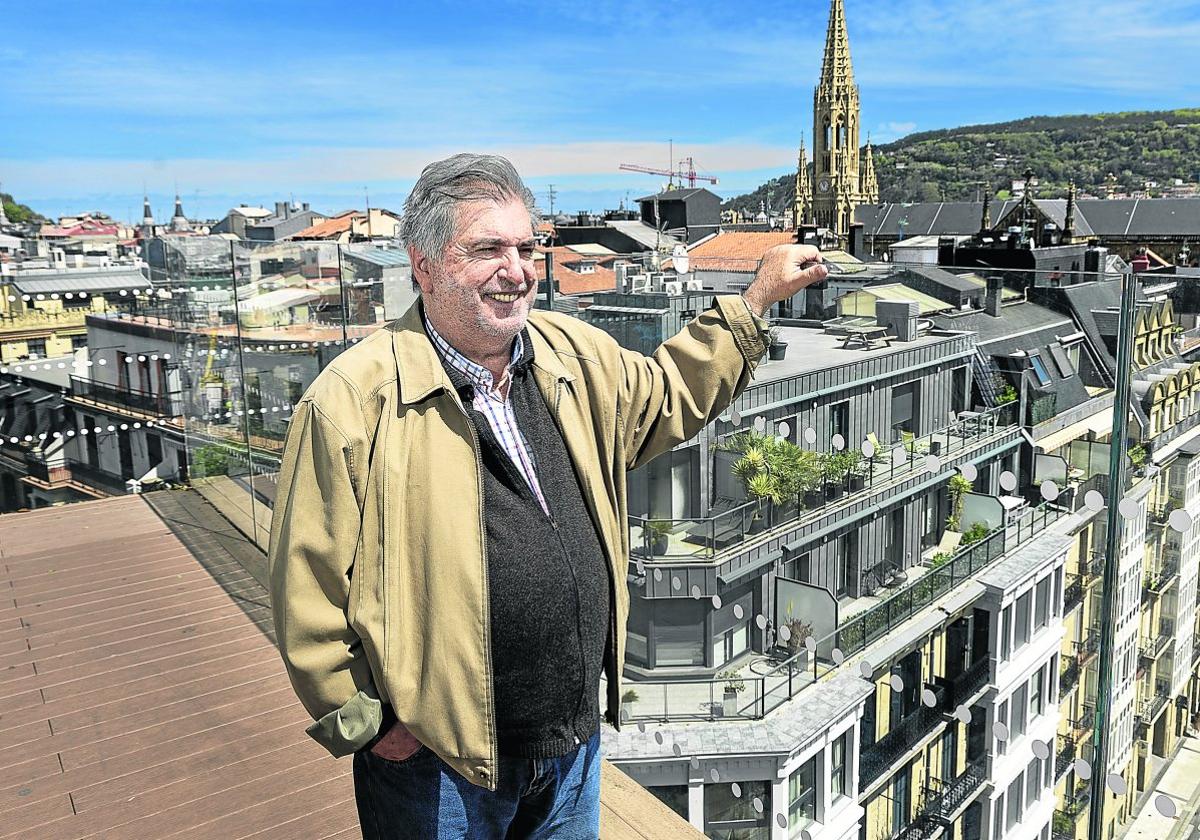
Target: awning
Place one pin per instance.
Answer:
(1100, 423)
(749, 568)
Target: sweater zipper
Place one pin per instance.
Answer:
(487, 612)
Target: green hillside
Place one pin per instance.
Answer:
(18, 213)
(956, 164)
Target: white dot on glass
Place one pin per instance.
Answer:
(735, 417)
(696, 592)
(658, 738)
(810, 435)
(785, 633)
(760, 424)
(714, 775)
(963, 714)
(658, 574)
(898, 456)
(781, 820)
(676, 584)
(641, 726)
(716, 602)
(783, 430)
(837, 656)
(1041, 750)
(736, 790)
(969, 472)
(1129, 508)
(1115, 783)
(738, 612)
(1094, 500)
(838, 443)
(1008, 481)
(695, 762)
(1179, 520)
(760, 621)
(758, 804)
(1000, 731)
(933, 463)
(1049, 491)
(868, 449)
(1165, 805)
(810, 643)
(675, 749)
(896, 682)
(865, 669)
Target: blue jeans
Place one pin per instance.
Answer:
(423, 798)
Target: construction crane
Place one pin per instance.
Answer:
(689, 173)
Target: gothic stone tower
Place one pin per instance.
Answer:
(836, 180)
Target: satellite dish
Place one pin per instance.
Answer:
(679, 258)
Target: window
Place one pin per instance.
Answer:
(1006, 633)
(998, 822)
(1013, 814)
(1020, 709)
(1002, 717)
(837, 764)
(1039, 369)
(1037, 693)
(726, 815)
(731, 644)
(904, 408)
(1041, 607)
(1058, 591)
(1033, 781)
(36, 348)
(679, 632)
(900, 801)
(802, 794)
(674, 797)
(839, 421)
(1022, 620)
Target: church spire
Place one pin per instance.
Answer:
(147, 216)
(1069, 223)
(870, 184)
(802, 203)
(836, 69)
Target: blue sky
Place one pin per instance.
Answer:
(254, 102)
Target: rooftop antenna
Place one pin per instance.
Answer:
(551, 191)
(367, 197)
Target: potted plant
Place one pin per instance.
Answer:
(659, 530)
(975, 533)
(1137, 455)
(959, 487)
(734, 685)
(629, 696)
(777, 348)
(858, 470)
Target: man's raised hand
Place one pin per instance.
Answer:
(784, 270)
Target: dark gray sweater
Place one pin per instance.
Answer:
(548, 584)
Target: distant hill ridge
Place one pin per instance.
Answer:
(958, 164)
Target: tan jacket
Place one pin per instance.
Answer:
(377, 563)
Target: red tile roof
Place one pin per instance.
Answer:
(330, 227)
(570, 280)
(138, 698)
(736, 250)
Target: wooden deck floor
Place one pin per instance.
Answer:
(138, 697)
(141, 695)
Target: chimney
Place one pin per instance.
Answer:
(995, 286)
(856, 240)
(304, 206)
(281, 209)
(1095, 262)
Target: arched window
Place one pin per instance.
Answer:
(841, 135)
(828, 136)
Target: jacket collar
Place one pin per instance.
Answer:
(419, 370)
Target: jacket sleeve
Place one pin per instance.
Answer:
(314, 536)
(667, 398)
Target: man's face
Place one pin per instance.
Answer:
(491, 253)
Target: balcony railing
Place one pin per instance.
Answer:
(1153, 648)
(942, 801)
(1066, 755)
(1088, 646)
(98, 478)
(889, 749)
(685, 699)
(168, 404)
(1069, 677)
(1072, 594)
(702, 538)
(1086, 720)
(967, 684)
(1149, 709)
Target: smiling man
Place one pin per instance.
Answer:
(449, 550)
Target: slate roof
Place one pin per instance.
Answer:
(78, 280)
(1023, 320)
(680, 194)
(1109, 218)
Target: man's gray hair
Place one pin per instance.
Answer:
(431, 211)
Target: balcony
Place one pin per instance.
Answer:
(126, 400)
(702, 699)
(1152, 649)
(900, 740)
(1085, 722)
(704, 538)
(1150, 708)
(942, 803)
(100, 479)
(1072, 594)
(1066, 756)
(1069, 677)
(966, 685)
(1088, 646)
